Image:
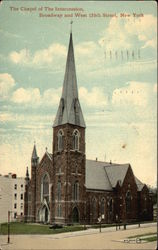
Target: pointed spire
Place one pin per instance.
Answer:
(34, 152)
(27, 174)
(34, 158)
(69, 110)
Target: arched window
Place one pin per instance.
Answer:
(76, 139)
(61, 111)
(128, 201)
(60, 140)
(145, 202)
(75, 194)
(102, 207)
(59, 169)
(94, 208)
(76, 169)
(110, 206)
(59, 191)
(76, 109)
(59, 210)
(45, 188)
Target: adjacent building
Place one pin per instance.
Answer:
(11, 197)
(67, 188)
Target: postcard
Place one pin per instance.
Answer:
(78, 94)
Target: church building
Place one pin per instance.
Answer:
(67, 188)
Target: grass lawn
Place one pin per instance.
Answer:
(145, 237)
(28, 228)
(150, 239)
(141, 235)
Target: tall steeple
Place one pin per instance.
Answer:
(69, 110)
(34, 158)
(27, 174)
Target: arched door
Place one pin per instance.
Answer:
(46, 215)
(75, 215)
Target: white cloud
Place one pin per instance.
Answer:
(54, 53)
(125, 34)
(22, 95)
(46, 56)
(135, 93)
(93, 98)
(23, 56)
(6, 117)
(145, 28)
(89, 57)
(6, 84)
(86, 48)
(33, 96)
(115, 37)
(134, 67)
(51, 96)
(150, 43)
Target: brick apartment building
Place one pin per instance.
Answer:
(66, 188)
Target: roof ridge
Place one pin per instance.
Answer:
(107, 176)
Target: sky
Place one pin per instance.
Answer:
(115, 56)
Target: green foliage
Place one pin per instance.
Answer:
(141, 235)
(103, 225)
(150, 239)
(29, 228)
(147, 238)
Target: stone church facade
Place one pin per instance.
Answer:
(66, 188)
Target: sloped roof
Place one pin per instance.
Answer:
(116, 172)
(104, 175)
(69, 110)
(96, 177)
(49, 155)
(140, 185)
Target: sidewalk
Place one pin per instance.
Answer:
(109, 238)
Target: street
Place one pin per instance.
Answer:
(109, 238)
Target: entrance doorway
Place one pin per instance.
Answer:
(75, 215)
(46, 215)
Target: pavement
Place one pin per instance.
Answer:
(109, 238)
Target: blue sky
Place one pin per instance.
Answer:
(116, 72)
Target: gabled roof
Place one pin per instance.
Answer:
(96, 177)
(49, 155)
(116, 172)
(69, 110)
(104, 175)
(140, 185)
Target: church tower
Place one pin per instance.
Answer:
(69, 150)
(34, 165)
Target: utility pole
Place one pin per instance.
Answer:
(8, 226)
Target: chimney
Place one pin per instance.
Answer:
(13, 176)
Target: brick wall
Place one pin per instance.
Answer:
(69, 167)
